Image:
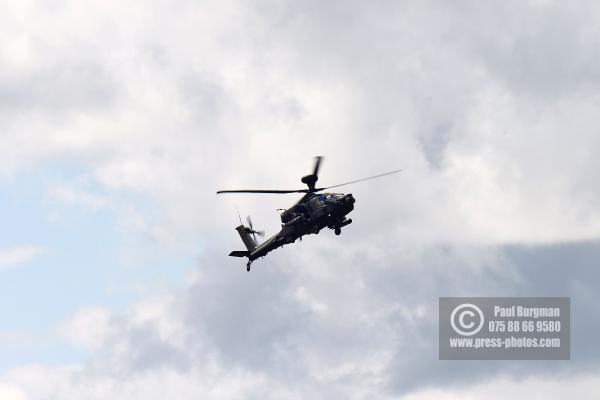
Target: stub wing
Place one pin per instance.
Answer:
(239, 253)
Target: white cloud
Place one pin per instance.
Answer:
(89, 327)
(164, 103)
(19, 255)
(216, 96)
(70, 195)
(11, 392)
(582, 387)
(207, 382)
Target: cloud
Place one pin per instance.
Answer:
(10, 392)
(375, 333)
(528, 388)
(88, 327)
(266, 88)
(489, 111)
(19, 255)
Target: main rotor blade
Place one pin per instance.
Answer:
(263, 191)
(318, 160)
(360, 180)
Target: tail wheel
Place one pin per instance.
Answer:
(337, 231)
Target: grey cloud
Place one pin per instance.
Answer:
(563, 269)
(150, 351)
(57, 86)
(250, 321)
(378, 312)
(546, 52)
(371, 84)
(566, 269)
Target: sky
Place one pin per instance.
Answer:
(118, 123)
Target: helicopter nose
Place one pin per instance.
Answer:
(350, 199)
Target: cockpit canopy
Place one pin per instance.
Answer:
(330, 197)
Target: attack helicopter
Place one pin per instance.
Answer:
(309, 215)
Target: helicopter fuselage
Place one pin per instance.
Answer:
(309, 215)
(318, 211)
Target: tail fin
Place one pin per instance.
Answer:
(246, 238)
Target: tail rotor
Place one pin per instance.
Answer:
(251, 229)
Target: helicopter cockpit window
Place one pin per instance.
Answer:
(332, 197)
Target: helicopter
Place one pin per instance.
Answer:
(309, 215)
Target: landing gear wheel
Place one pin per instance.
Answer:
(248, 267)
(337, 231)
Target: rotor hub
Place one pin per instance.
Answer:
(310, 180)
